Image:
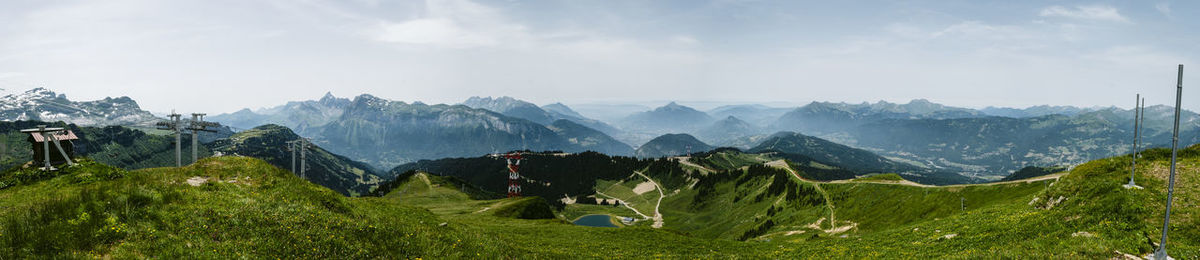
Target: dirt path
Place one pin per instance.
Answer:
(1030, 180)
(658, 218)
(828, 202)
(783, 165)
(903, 182)
(426, 180)
(625, 204)
(687, 160)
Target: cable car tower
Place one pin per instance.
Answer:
(198, 125)
(514, 175)
(174, 124)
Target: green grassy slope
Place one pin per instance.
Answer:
(113, 145)
(1086, 214)
(556, 238)
(245, 207)
(269, 143)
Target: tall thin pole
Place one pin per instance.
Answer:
(1162, 244)
(1137, 114)
(173, 124)
(1141, 124)
(303, 151)
(45, 147)
(195, 136)
(292, 147)
(178, 146)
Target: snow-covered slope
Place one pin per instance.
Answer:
(45, 105)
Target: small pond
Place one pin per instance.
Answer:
(595, 221)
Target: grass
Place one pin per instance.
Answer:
(623, 190)
(1095, 219)
(890, 177)
(863, 203)
(729, 160)
(247, 208)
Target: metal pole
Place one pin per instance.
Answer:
(178, 146)
(292, 147)
(60, 149)
(303, 151)
(195, 137)
(45, 146)
(1136, 116)
(1142, 123)
(1162, 244)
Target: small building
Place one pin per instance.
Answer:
(64, 138)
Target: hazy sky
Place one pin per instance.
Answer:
(220, 56)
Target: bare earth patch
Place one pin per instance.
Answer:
(643, 188)
(794, 232)
(196, 181)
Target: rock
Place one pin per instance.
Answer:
(196, 181)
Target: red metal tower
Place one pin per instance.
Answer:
(514, 163)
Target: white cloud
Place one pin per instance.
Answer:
(685, 40)
(977, 29)
(462, 24)
(4, 75)
(1091, 12)
(436, 32)
(1165, 9)
(453, 24)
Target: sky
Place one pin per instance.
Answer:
(219, 56)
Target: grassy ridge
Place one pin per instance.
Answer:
(246, 208)
(1086, 214)
(243, 207)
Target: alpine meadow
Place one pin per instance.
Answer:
(546, 129)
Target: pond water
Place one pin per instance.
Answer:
(595, 221)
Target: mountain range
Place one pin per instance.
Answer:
(671, 145)
(40, 104)
(269, 143)
(987, 143)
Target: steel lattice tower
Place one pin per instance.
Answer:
(514, 175)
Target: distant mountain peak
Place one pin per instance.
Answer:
(332, 101)
(921, 101)
(366, 97)
(498, 104)
(732, 121)
(674, 107)
(562, 109)
(38, 93)
(669, 118)
(671, 145)
(369, 100)
(46, 105)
